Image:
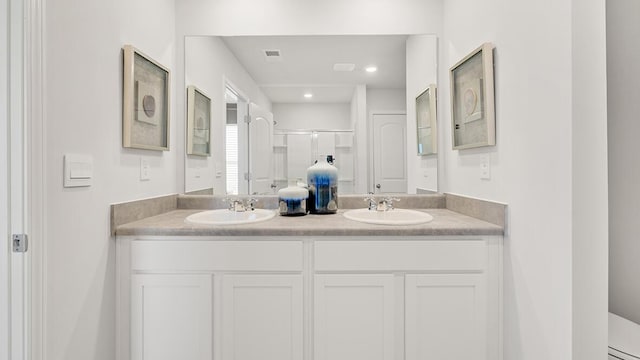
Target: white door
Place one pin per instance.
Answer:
(354, 317)
(260, 150)
(389, 153)
(445, 317)
(262, 317)
(13, 266)
(171, 317)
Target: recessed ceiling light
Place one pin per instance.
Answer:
(308, 95)
(371, 69)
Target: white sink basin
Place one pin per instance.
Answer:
(228, 217)
(391, 217)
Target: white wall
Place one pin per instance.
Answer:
(208, 64)
(589, 180)
(359, 119)
(386, 100)
(300, 116)
(4, 182)
(422, 70)
(623, 30)
(537, 166)
(83, 114)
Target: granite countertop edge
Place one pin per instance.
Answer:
(445, 223)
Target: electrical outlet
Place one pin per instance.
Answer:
(485, 167)
(144, 170)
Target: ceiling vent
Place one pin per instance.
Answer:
(344, 67)
(271, 55)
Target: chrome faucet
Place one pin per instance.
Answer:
(373, 204)
(240, 205)
(386, 204)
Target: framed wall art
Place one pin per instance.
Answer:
(198, 122)
(426, 121)
(472, 100)
(145, 105)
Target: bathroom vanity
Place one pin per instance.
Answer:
(316, 287)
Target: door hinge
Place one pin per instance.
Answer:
(247, 176)
(247, 119)
(20, 243)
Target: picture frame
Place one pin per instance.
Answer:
(198, 122)
(473, 121)
(427, 121)
(145, 103)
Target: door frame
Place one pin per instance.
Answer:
(5, 254)
(35, 180)
(24, 182)
(370, 160)
(244, 99)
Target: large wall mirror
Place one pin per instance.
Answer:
(280, 102)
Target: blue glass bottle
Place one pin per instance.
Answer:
(323, 187)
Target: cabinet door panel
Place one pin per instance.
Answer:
(171, 317)
(354, 317)
(445, 317)
(262, 317)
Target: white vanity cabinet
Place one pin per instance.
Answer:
(310, 298)
(355, 317)
(262, 317)
(408, 298)
(203, 298)
(170, 317)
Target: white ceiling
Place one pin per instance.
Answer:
(307, 64)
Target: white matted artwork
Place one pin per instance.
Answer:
(472, 100)
(145, 105)
(426, 121)
(198, 122)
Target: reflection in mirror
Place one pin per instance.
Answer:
(294, 150)
(231, 143)
(426, 121)
(278, 102)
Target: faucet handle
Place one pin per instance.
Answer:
(231, 201)
(251, 203)
(388, 202)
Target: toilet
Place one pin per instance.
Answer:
(624, 339)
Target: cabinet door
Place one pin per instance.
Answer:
(354, 317)
(262, 317)
(171, 317)
(445, 317)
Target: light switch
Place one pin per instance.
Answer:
(78, 170)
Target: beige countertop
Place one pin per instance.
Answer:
(445, 222)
